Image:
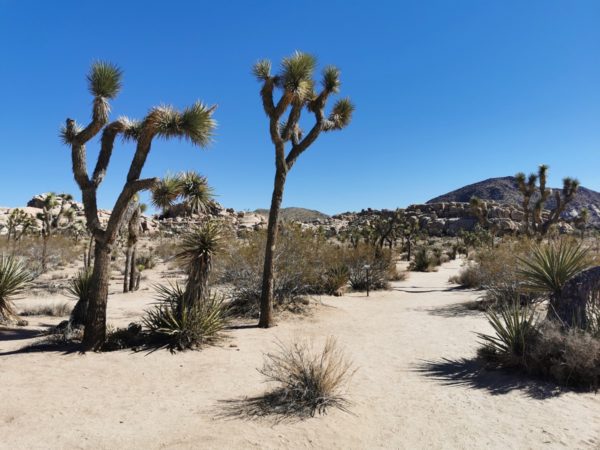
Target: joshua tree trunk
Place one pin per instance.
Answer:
(95, 326)
(133, 275)
(266, 300)
(127, 269)
(296, 83)
(44, 251)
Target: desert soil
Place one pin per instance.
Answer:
(416, 385)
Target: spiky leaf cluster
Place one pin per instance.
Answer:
(104, 80)
(194, 123)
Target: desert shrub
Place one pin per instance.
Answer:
(309, 382)
(335, 279)
(468, 277)
(306, 263)
(514, 328)
(14, 277)
(568, 356)
(55, 310)
(144, 262)
(496, 269)
(61, 251)
(79, 289)
(381, 267)
(175, 324)
(424, 261)
(63, 334)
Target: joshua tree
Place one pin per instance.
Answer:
(194, 123)
(51, 219)
(295, 80)
(387, 228)
(534, 219)
(19, 219)
(130, 279)
(410, 231)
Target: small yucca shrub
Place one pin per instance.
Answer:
(174, 324)
(309, 381)
(550, 266)
(14, 277)
(515, 330)
(79, 289)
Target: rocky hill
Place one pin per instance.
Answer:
(504, 190)
(296, 214)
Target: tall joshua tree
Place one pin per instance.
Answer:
(534, 219)
(194, 123)
(297, 86)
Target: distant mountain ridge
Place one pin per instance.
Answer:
(297, 214)
(505, 190)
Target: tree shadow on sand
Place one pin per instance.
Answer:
(471, 373)
(463, 309)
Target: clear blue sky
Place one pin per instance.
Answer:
(446, 92)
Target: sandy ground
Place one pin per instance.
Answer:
(415, 386)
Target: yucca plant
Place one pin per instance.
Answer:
(178, 326)
(166, 192)
(195, 191)
(549, 267)
(514, 328)
(196, 253)
(79, 289)
(309, 381)
(14, 277)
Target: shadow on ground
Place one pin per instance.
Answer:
(463, 309)
(420, 290)
(472, 374)
(277, 407)
(18, 334)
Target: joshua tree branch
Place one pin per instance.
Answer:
(108, 140)
(122, 204)
(99, 119)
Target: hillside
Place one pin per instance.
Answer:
(504, 190)
(298, 214)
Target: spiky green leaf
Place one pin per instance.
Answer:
(104, 79)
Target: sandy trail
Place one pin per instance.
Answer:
(404, 394)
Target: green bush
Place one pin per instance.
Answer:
(381, 267)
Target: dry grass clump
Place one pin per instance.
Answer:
(308, 382)
(54, 310)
